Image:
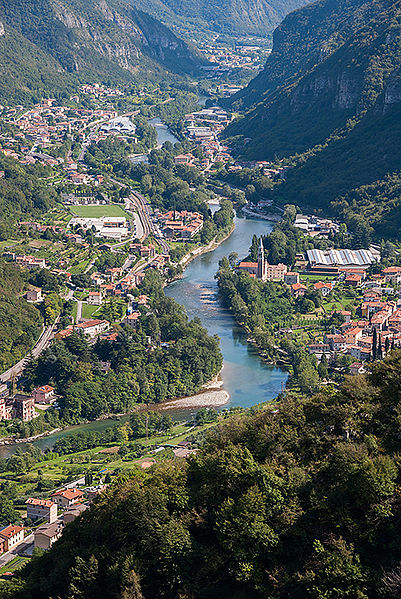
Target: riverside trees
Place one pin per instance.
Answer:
(141, 369)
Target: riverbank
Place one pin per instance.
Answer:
(12, 440)
(212, 395)
(205, 249)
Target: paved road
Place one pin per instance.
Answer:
(79, 310)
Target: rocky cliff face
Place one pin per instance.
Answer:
(99, 38)
(330, 98)
(332, 61)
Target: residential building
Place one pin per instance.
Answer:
(34, 295)
(44, 394)
(275, 272)
(353, 280)
(337, 343)
(6, 409)
(353, 335)
(30, 262)
(380, 320)
(95, 298)
(324, 288)
(180, 225)
(132, 319)
(38, 509)
(12, 536)
(392, 274)
(23, 407)
(67, 497)
(182, 159)
(356, 368)
(45, 536)
(91, 328)
(73, 512)
(298, 290)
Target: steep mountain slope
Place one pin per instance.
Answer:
(232, 17)
(331, 91)
(99, 39)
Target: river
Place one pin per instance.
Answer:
(163, 134)
(247, 379)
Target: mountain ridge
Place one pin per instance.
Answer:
(233, 17)
(75, 40)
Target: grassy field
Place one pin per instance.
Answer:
(89, 311)
(99, 211)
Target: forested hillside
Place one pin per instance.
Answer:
(20, 322)
(23, 192)
(300, 499)
(329, 97)
(241, 17)
(49, 46)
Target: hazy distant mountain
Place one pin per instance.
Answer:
(50, 43)
(257, 17)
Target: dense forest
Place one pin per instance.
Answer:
(23, 192)
(165, 357)
(20, 322)
(297, 499)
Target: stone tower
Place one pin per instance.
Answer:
(261, 261)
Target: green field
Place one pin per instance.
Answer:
(89, 311)
(99, 211)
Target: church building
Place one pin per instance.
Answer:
(261, 269)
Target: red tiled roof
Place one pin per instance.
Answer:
(41, 502)
(69, 494)
(89, 323)
(10, 531)
(46, 388)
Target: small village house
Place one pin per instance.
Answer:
(34, 295)
(38, 509)
(12, 535)
(45, 536)
(67, 497)
(44, 394)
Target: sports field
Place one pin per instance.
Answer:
(99, 211)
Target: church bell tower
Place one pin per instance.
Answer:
(261, 261)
